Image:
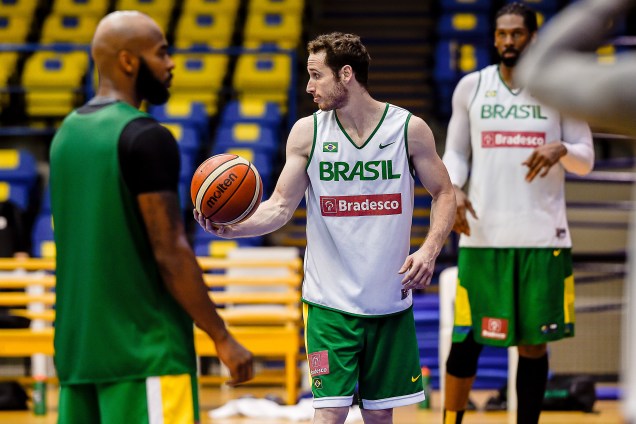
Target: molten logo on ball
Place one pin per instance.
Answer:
(226, 189)
(216, 196)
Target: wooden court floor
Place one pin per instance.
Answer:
(606, 412)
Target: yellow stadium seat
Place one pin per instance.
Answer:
(207, 6)
(159, 10)
(184, 101)
(263, 77)
(268, 45)
(280, 6)
(213, 29)
(273, 27)
(95, 8)
(24, 8)
(14, 29)
(7, 67)
(52, 81)
(198, 78)
(198, 71)
(68, 29)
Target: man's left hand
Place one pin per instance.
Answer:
(543, 158)
(418, 270)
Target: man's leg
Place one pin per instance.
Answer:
(461, 368)
(532, 377)
(377, 416)
(330, 415)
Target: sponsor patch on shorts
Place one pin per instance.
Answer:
(319, 363)
(494, 328)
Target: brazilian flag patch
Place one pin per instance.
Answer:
(330, 146)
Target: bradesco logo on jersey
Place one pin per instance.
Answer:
(512, 139)
(361, 205)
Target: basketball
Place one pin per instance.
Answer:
(226, 189)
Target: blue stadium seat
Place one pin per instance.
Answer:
(18, 166)
(18, 194)
(473, 27)
(191, 114)
(42, 240)
(45, 203)
(453, 60)
(466, 5)
(187, 137)
(266, 114)
(247, 135)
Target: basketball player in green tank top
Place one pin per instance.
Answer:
(128, 283)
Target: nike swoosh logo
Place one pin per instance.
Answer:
(556, 252)
(414, 379)
(382, 146)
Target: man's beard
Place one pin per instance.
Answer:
(510, 61)
(336, 99)
(149, 87)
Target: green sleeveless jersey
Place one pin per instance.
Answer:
(115, 319)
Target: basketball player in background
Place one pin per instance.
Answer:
(356, 159)
(562, 71)
(128, 283)
(515, 284)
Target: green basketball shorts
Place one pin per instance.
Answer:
(167, 398)
(511, 297)
(379, 354)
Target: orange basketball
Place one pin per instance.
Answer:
(226, 189)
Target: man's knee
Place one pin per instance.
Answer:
(377, 416)
(533, 351)
(463, 357)
(330, 415)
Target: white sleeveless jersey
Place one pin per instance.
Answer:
(359, 214)
(505, 127)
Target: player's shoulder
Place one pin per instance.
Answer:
(470, 81)
(304, 127)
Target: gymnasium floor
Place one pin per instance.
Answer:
(606, 412)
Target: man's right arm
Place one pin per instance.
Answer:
(289, 191)
(149, 160)
(458, 150)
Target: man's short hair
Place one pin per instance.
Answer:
(529, 16)
(343, 49)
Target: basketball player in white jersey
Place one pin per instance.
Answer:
(515, 284)
(356, 161)
(561, 71)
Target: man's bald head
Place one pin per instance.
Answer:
(123, 30)
(130, 53)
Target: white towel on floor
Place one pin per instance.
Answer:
(267, 409)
